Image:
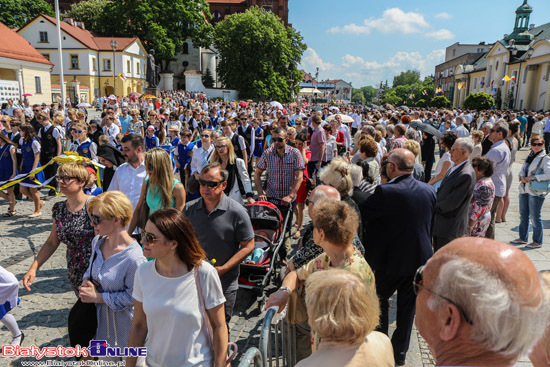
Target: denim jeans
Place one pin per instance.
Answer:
(530, 206)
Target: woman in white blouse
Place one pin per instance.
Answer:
(168, 308)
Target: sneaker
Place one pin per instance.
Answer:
(519, 241)
(533, 245)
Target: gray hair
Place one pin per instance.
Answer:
(410, 134)
(319, 194)
(356, 174)
(465, 143)
(462, 120)
(502, 127)
(487, 125)
(501, 323)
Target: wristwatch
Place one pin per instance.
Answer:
(286, 289)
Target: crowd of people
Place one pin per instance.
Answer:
(174, 173)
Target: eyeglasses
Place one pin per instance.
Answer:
(95, 219)
(309, 202)
(416, 285)
(77, 131)
(537, 144)
(221, 146)
(211, 184)
(205, 136)
(65, 179)
(35, 110)
(279, 140)
(148, 237)
(3, 121)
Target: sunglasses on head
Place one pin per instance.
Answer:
(279, 140)
(416, 285)
(95, 219)
(211, 184)
(148, 237)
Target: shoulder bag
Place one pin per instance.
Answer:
(83, 319)
(209, 331)
(539, 187)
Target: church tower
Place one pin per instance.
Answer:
(521, 33)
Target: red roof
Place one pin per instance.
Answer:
(88, 39)
(14, 46)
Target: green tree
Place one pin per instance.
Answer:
(392, 98)
(440, 102)
(510, 100)
(92, 13)
(357, 96)
(420, 103)
(16, 13)
(408, 77)
(207, 79)
(369, 93)
(259, 55)
(162, 25)
(479, 101)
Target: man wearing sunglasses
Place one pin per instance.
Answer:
(398, 232)
(479, 303)
(223, 229)
(201, 157)
(111, 130)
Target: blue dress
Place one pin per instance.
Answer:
(6, 163)
(258, 143)
(28, 161)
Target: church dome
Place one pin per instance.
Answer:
(524, 8)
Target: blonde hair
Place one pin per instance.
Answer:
(413, 146)
(158, 162)
(112, 204)
(291, 130)
(337, 175)
(478, 134)
(75, 170)
(342, 307)
(58, 119)
(230, 151)
(103, 139)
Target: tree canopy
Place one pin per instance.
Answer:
(479, 101)
(162, 25)
(16, 13)
(364, 95)
(408, 77)
(259, 55)
(408, 94)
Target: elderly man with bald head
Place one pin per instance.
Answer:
(397, 221)
(480, 303)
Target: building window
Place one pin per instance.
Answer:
(496, 67)
(74, 62)
(137, 68)
(524, 79)
(37, 84)
(548, 72)
(475, 83)
(480, 50)
(43, 37)
(47, 56)
(185, 50)
(454, 52)
(128, 67)
(106, 64)
(94, 64)
(268, 8)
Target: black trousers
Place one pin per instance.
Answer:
(386, 285)
(546, 142)
(428, 170)
(50, 171)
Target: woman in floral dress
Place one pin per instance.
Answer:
(482, 198)
(71, 225)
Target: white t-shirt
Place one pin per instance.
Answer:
(445, 158)
(176, 331)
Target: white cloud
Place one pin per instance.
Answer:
(364, 72)
(443, 15)
(440, 34)
(393, 20)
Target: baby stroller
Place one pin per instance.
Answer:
(269, 228)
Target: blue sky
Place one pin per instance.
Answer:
(365, 41)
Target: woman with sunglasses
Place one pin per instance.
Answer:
(238, 181)
(482, 197)
(30, 149)
(535, 170)
(136, 125)
(161, 189)
(71, 225)
(114, 261)
(8, 170)
(176, 296)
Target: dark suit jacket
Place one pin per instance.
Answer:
(486, 144)
(398, 220)
(453, 202)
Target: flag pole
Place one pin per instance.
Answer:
(59, 48)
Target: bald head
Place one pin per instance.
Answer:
(324, 192)
(402, 162)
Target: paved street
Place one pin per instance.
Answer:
(43, 312)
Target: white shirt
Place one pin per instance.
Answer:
(451, 170)
(176, 332)
(55, 132)
(129, 180)
(347, 135)
(198, 159)
(111, 132)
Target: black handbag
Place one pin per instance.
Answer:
(83, 319)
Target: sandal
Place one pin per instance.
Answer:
(297, 235)
(10, 213)
(34, 215)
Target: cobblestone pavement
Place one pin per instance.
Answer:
(43, 312)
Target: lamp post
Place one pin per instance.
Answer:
(114, 45)
(317, 81)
